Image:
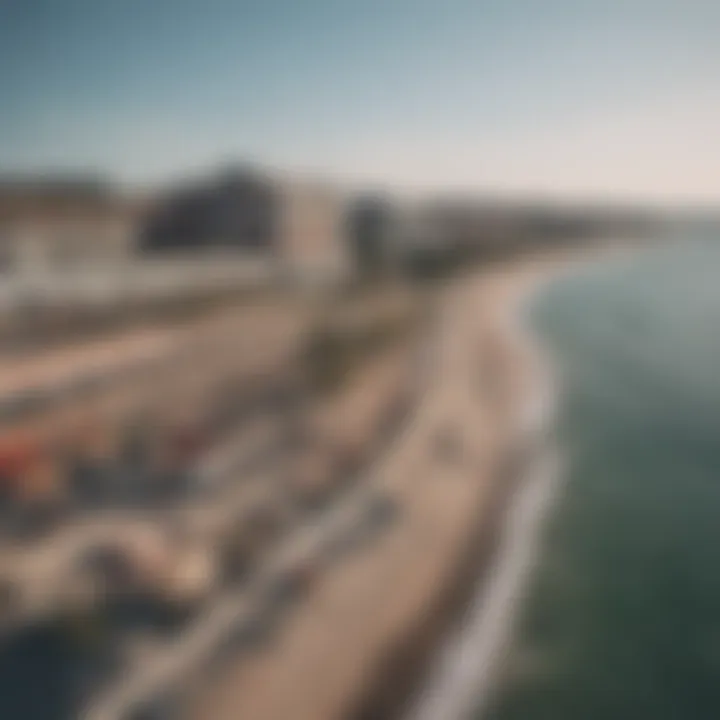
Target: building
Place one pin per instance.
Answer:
(55, 223)
(296, 223)
(313, 242)
(373, 224)
(236, 210)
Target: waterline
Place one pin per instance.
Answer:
(466, 666)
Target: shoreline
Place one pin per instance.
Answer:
(370, 633)
(464, 671)
(456, 683)
(432, 676)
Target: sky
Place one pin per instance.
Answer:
(582, 98)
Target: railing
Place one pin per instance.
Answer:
(95, 285)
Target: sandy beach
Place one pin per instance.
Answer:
(357, 642)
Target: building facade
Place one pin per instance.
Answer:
(313, 242)
(296, 223)
(236, 210)
(53, 225)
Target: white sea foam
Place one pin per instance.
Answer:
(462, 677)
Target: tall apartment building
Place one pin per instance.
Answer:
(297, 223)
(234, 211)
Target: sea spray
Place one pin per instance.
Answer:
(463, 674)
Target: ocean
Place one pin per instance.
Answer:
(619, 618)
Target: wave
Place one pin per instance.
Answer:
(462, 678)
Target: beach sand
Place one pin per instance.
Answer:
(357, 644)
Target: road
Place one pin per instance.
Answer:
(164, 671)
(161, 673)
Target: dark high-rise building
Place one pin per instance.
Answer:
(237, 210)
(369, 231)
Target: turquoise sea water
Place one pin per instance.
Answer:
(622, 616)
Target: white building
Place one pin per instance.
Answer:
(312, 237)
(51, 226)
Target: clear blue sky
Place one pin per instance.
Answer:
(583, 97)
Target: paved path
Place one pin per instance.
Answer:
(162, 670)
